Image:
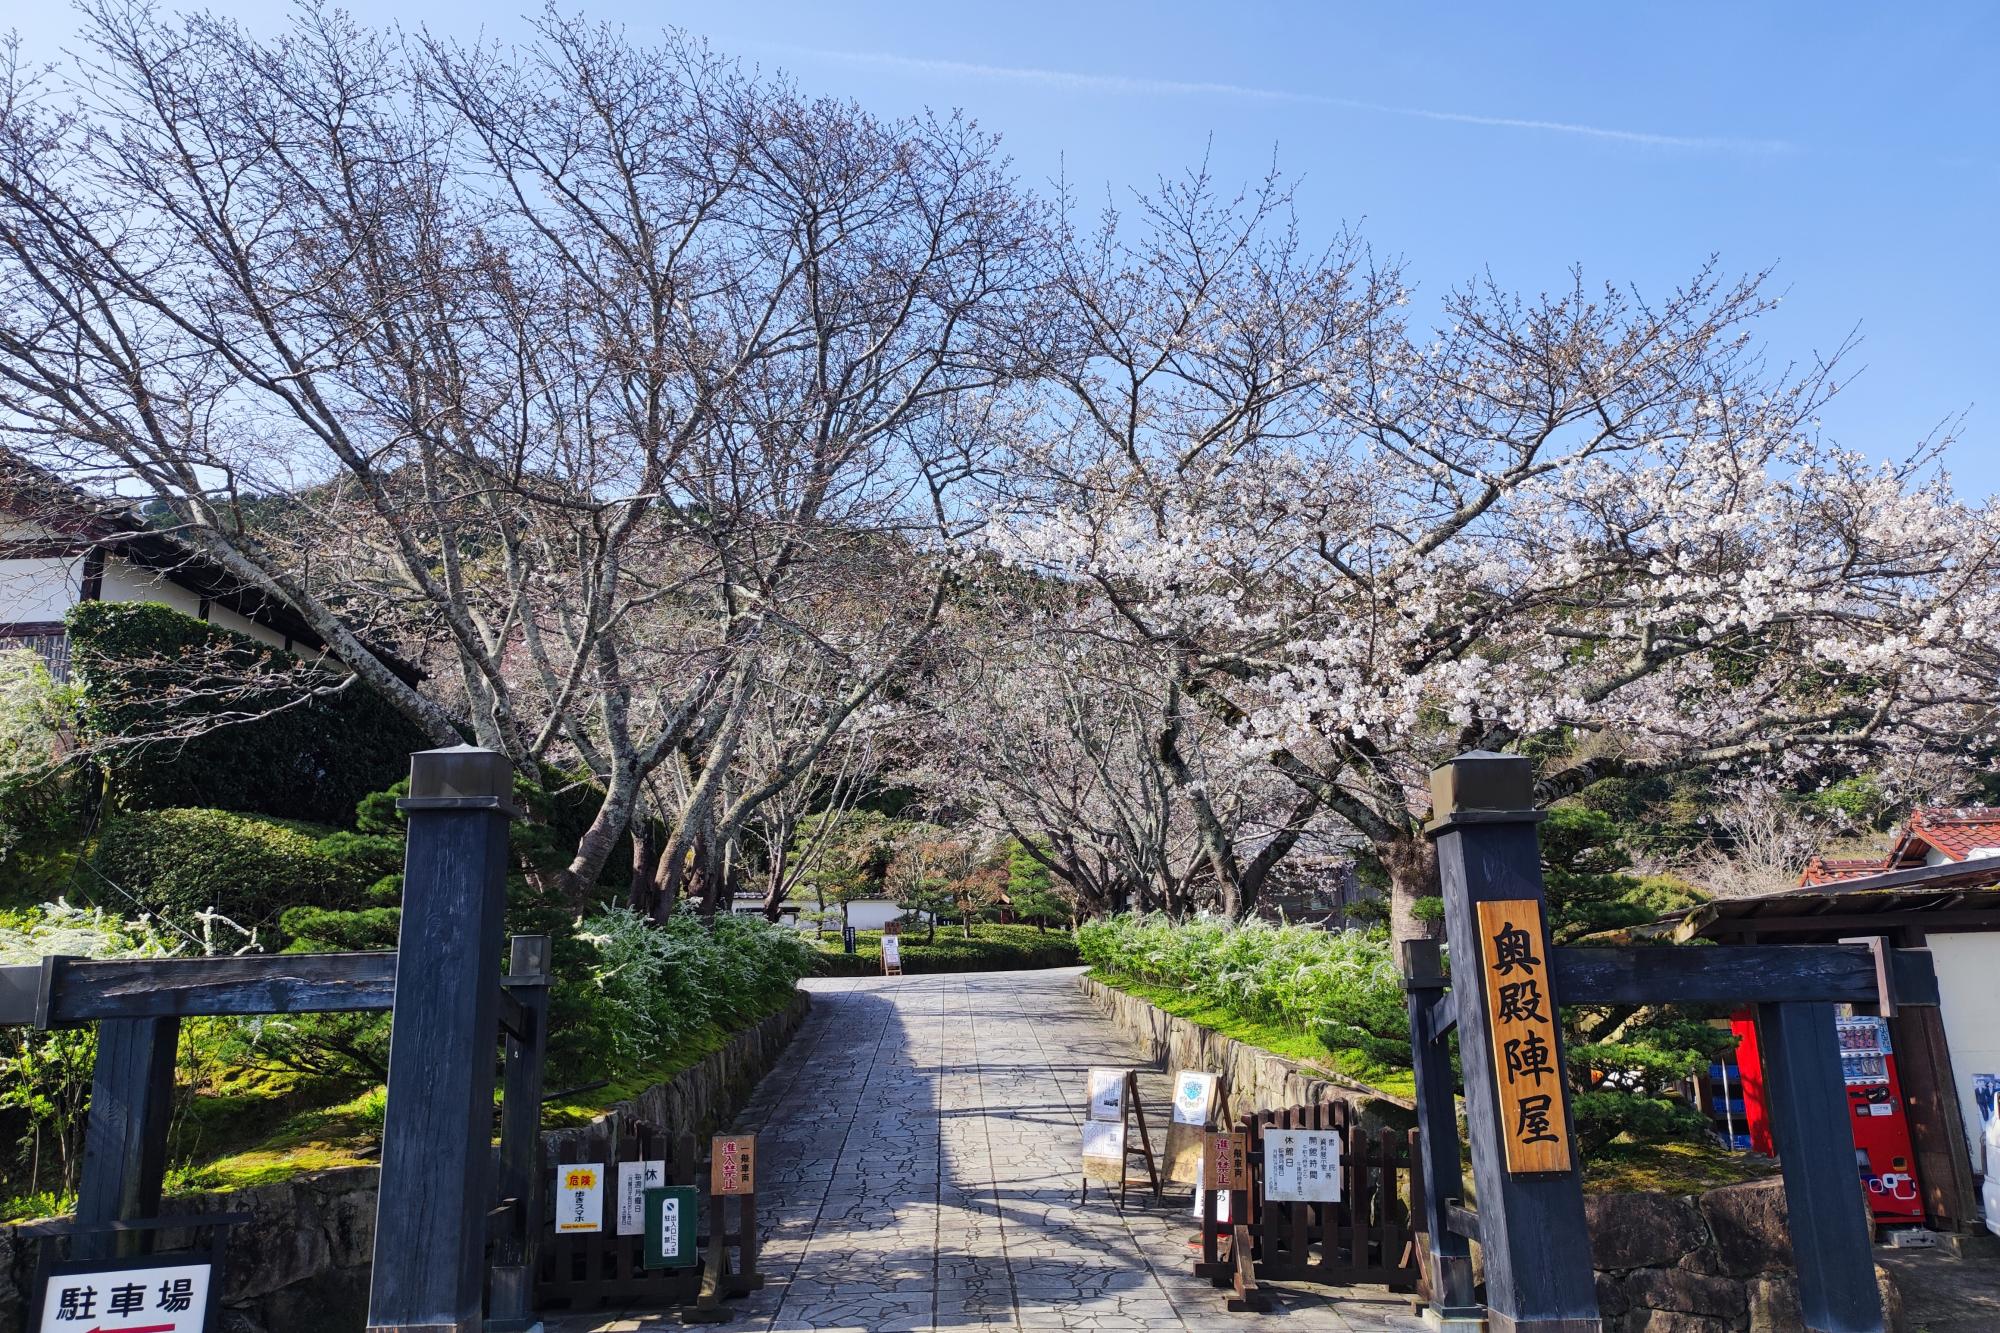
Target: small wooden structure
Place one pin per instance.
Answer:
(1367, 1237)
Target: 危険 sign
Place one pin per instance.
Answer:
(1301, 1165)
(167, 1294)
(580, 1197)
(670, 1227)
(732, 1165)
(634, 1179)
(1521, 1017)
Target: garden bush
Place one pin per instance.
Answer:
(1340, 985)
(148, 669)
(182, 861)
(992, 948)
(654, 986)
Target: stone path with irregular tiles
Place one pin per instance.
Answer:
(919, 1171)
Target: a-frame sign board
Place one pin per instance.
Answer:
(1507, 982)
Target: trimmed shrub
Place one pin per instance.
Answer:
(179, 862)
(147, 670)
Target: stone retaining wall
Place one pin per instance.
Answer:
(302, 1265)
(1258, 1079)
(1720, 1262)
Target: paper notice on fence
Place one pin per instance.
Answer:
(1104, 1150)
(634, 1179)
(580, 1197)
(1107, 1094)
(1301, 1165)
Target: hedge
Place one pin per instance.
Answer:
(312, 760)
(992, 948)
(178, 862)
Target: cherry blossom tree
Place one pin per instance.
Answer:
(1582, 525)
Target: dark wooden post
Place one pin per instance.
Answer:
(1825, 1207)
(430, 1224)
(1437, 1162)
(1531, 1223)
(125, 1141)
(522, 1180)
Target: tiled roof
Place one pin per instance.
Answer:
(1956, 830)
(1830, 869)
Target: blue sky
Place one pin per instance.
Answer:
(1855, 147)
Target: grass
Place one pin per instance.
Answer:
(263, 1127)
(1276, 1038)
(991, 948)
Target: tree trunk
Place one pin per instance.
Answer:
(646, 841)
(1413, 875)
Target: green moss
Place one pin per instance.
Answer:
(1669, 1168)
(1280, 1040)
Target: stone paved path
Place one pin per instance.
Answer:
(919, 1171)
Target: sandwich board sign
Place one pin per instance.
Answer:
(167, 1293)
(579, 1198)
(634, 1179)
(892, 955)
(1194, 1103)
(670, 1227)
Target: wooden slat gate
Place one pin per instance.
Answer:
(1366, 1237)
(604, 1270)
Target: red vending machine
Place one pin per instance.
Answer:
(1883, 1156)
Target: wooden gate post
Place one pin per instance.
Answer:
(1530, 1221)
(125, 1141)
(1827, 1215)
(430, 1222)
(1434, 1160)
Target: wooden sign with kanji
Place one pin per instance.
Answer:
(732, 1164)
(1534, 1124)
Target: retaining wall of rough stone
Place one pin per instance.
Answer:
(1258, 1079)
(301, 1266)
(1719, 1262)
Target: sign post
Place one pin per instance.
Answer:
(169, 1294)
(1531, 1220)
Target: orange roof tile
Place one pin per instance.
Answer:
(1956, 830)
(1832, 869)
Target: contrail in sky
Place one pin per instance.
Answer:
(1117, 83)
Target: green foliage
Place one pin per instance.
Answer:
(652, 986)
(149, 670)
(45, 1076)
(180, 862)
(989, 948)
(1031, 888)
(1340, 985)
(1630, 1063)
(44, 790)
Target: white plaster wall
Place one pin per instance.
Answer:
(1968, 972)
(39, 589)
(127, 582)
(224, 618)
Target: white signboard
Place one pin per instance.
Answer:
(1301, 1165)
(1107, 1094)
(1194, 1094)
(1221, 1200)
(580, 1197)
(634, 1178)
(140, 1298)
(892, 950)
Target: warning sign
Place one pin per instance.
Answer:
(732, 1164)
(580, 1197)
(168, 1294)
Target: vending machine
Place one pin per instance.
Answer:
(1883, 1157)
(1882, 1151)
